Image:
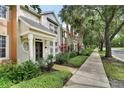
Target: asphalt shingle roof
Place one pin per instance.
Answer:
(35, 24)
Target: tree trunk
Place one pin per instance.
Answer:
(101, 46)
(107, 42)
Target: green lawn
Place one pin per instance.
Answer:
(102, 53)
(120, 48)
(77, 61)
(113, 69)
(54, 79)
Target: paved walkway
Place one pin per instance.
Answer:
(60, 67)
(118, 53)
(90, 75)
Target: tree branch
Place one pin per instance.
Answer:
(112, 15)
(100, 14)
(117, 30)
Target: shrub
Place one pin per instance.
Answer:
(50, 80)
(50, 62)
(5, 83)
(5, 69)
(42, 64)
(46, 63)
(24, 71)
(62, 58)
(72, 54)
(86, 52)
(77, 61)
(49, 65)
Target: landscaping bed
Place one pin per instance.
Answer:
(72, 58)
(34, 75)
(114, 70)
(54, 79)
(40, 75)
(77, 61)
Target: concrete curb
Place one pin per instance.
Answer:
(117, 58)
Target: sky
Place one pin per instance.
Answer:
(54, 8)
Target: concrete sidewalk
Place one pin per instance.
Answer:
(90, 75)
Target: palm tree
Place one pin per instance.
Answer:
(73, 18)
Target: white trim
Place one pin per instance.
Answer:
(43, 36)
(35, 48)
(47, 37)
(3, 19)
(30, 40)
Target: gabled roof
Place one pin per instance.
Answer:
(36, 25)
(51, 12)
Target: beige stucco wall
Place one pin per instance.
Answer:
(46, 23)
(23, 27)
(22, 55)
(3, 27)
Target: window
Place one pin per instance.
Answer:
(51, 50)
(2, 46)
(55, 29)
(51, 43)
(56, 43)
(56, 50)
(3, 11)
(51, 27)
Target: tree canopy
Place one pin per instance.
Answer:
(95, 25)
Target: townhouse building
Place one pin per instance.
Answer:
(25, 34)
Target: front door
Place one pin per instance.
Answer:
(39, 50)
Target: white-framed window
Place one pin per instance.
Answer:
(2, 46)
(56, 50)
(51, 43)
(56, 43)
(53, 28)
(56, 47)
(51, 47)
(3, 11)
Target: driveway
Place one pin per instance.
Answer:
(118, 53)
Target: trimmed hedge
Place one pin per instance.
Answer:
(50, 80)
(77, 61)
